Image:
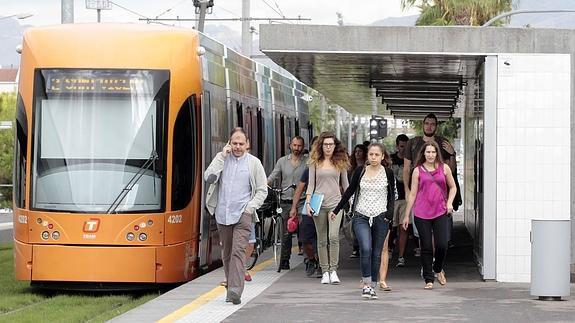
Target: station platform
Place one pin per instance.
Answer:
(290, 296)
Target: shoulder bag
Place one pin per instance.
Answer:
(349, 216)
(316, 198)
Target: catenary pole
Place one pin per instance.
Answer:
(67, 9)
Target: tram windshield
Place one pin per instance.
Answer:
(99, 138)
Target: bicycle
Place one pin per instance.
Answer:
(271, 210)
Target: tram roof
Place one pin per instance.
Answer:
(415, 70)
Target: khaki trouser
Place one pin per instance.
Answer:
(328, 255)
(234, 239)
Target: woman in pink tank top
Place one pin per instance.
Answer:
(431, 197)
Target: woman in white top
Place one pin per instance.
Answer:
(373, 188)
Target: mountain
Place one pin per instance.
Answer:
(396, 21)
(545, 20)
(10, 36)
(11, 31)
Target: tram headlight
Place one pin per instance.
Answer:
(142, 237)
(150, 223)
(45, 235)
(55, 235)
(130, 236)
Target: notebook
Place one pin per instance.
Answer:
(315, 204)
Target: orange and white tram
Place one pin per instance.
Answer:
(115, 125)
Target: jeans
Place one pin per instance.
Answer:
(370, 240)
(439, 229)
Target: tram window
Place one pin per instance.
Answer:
(116, 163)
(297, 131)
(20, 150)
(184, 163)
(282, 136)
(239, 114)
(260, 135)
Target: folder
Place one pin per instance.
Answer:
(315, 204)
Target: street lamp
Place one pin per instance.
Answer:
(18, 16)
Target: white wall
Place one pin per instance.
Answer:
(8, 87)
(533, 153)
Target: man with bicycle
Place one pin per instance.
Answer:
(237, 188)
(289, 170)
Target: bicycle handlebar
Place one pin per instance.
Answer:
(282, 190)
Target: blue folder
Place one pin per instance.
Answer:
(314, 203)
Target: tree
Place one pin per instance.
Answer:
(7, 113)
(458, 12)
(455, 12)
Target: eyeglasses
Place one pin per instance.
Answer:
(328, 144)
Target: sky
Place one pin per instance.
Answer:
(323, 12)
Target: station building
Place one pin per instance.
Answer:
(515, 89)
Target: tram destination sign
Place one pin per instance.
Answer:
(96, 83)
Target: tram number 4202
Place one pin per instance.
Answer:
(176, 218)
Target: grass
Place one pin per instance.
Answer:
(20, 303)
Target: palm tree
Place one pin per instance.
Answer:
(458, 12)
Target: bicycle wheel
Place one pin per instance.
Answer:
(277, 243)
(252, 260)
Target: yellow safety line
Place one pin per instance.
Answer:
(205, 298)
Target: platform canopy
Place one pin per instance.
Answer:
(414, 70)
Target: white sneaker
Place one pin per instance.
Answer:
(333, 277)
(325, 278)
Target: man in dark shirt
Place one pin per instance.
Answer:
(400, 204)
(307, 232)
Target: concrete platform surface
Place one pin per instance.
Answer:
(292, 297)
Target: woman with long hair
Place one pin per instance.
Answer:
(358, 158)
(431, 196)
(328, 176)
(373, 188)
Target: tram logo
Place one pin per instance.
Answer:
(92, 225)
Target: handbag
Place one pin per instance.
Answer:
(349, 216)
(316, 199)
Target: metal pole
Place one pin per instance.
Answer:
(202, 19)
(99, 15)
(349, 143)
(246, 33)
(67, 9)
(323, 107)
(516, 12)
(338, 122)
(373, 101)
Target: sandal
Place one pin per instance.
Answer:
(441, 278)
(383, 286)
(428, 286)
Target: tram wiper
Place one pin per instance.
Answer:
(151, 161)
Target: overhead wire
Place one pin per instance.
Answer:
(274, 9)
(172, 8)
(129, 10)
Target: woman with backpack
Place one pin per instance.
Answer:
(373, 188)
(431, 196)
